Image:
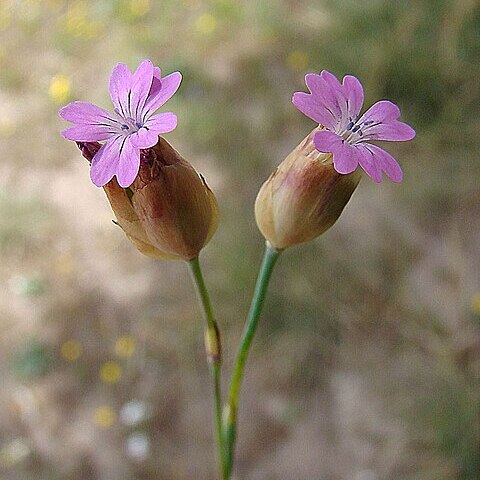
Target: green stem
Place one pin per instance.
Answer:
(214, 356)
(269, 259)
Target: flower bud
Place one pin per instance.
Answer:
(173, 202)
(168, 212)
(129, 222)
(303, 197)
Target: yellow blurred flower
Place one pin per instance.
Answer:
(77, 21)
(139, 8)
(475, 305)
(125, 346)
(71, 350)
(206, 23)
(110, 372)
(297, 60)
(60, 88)
(104, 416)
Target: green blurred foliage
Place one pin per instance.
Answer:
(35, 360)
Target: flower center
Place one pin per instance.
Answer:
(130, 126)
(354, 131)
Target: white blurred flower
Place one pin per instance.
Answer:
(134, 412)
(138, 445)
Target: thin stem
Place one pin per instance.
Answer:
(214, 356)
(269, 259)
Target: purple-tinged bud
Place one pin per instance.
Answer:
(174, 203)
(303, 197)
(169, 212)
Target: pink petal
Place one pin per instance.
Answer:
(315, 83)
(320, 88)
(369, 163)
(338, 97)
(162, 122)
(337, 104)
(325, 89)
(140, 87)
(384, 124)
(331, 80)
(336, 89)
(354, 93)
(86, 114)
(162, 90)
(105, 163)
(129, 163)
(313, 107)
(117, 157)
(345, 159)
(144, 138)
(393, 131)
(120, 83)
(88, 133)
(381, 111)
(147, 136)
(345, 156)
(156, 85)
(326, 141)
(386, 162)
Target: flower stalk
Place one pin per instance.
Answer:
(214, 357)
(230, 414)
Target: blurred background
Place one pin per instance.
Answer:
(366, 365)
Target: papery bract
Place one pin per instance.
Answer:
(169, 212)
(303, 197)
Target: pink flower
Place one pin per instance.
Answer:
(336, 106)
(131, 128)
